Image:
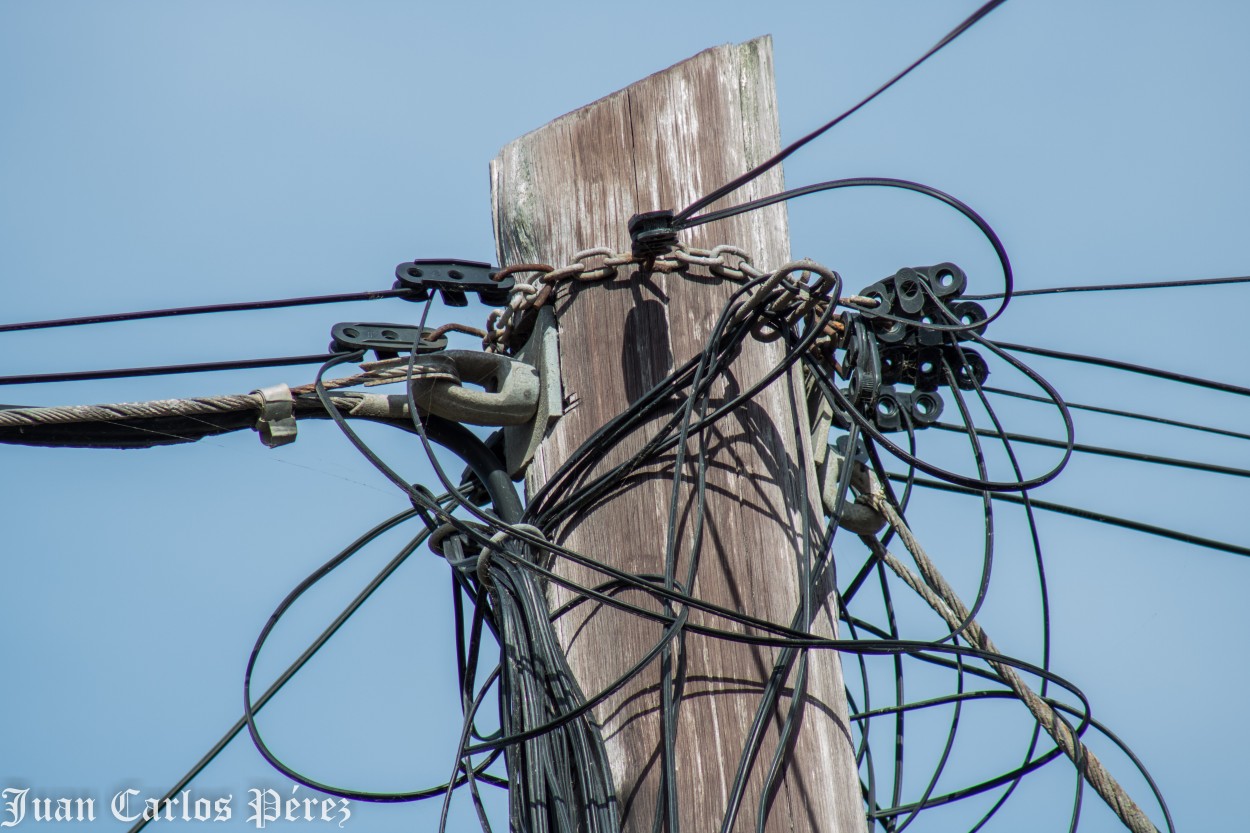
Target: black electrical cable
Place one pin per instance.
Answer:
(596, 446)
(1043, 590)
(668, 809)
(809, 576)
(417, 497)
(785, 659)
(905, 498)
(887, 598)
(600, 441)
(698, 604)
(1090, 515)
(532, 766)
(1109, 287)
(999, 780)
(522, 632)
(673, 693)
(467, 771)
(793, 356)
(309, 652)
(484, 463)
(943, 759)
(813, 574)
(1054, 704)
(250, 706)
(1171, 376)
(242, 306)
(804, 616)
(163, 370)
(886, 182)
(1119, 453)
(467, 657)
(776, 635)
(733, 185)
(1078, 765)
(853, 587)
(1098, 409)
(987, 505)
(864, 759)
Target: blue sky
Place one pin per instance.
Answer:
(156, 154)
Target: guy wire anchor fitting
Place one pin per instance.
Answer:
(522, 394)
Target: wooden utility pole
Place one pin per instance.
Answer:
(572, 185)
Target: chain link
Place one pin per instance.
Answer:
(782, 295)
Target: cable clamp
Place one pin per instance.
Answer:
(452, 279)
(652, 233)
(386, 340)
(277, 416)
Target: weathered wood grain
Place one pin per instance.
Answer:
(574, 184)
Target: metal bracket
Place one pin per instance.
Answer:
(542, 351)
(276, 424)
(452, 279)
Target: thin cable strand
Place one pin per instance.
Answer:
(242, 306)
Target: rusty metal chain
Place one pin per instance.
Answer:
(786, 297)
